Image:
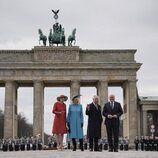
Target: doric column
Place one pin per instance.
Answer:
(38, 109)
(125, 87)
(131, 121)
(145, 127)
(74, 88)
(102, 92)
(133, 111)
(10, 110)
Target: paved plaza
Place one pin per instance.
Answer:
(77, 154)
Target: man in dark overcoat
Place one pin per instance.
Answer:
(93, 111)
(112, 112)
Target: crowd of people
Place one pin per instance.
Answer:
(35, 143)
(21, 144)
(146, 143)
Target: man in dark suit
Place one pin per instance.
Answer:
(93, 111)
(112, 111)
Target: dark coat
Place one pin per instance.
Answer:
(117, 110)
(94, 121)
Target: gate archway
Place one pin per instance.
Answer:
(72, 67)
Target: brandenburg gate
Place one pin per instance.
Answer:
(73, 67)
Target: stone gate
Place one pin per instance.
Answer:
(45, 66)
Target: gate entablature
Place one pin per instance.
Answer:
(67, 54)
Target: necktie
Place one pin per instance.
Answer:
(112, 105)
(96, 106)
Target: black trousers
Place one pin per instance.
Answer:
(93, 141)
(74, 144)
(136, 146)
(113, 134)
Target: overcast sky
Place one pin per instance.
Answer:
(100, 24)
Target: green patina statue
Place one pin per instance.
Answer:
(72, 38)
(57, 34)
(42, 37)
(57, 37)
(55, 13)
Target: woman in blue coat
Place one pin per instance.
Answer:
(75, 122)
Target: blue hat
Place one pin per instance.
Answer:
(76, 96)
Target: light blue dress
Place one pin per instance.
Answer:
(75, 119)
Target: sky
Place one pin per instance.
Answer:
(100, 24)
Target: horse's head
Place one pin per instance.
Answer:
(40, 31)
(74, 31)
(63, 30)
(50, 31)
(71, 38)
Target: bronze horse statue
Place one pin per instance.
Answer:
(72, 37)
(42, 37)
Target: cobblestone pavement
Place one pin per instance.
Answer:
(77, 154)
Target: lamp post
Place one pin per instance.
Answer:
(152, 130)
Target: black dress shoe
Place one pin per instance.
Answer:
(115, 150)
(97, 150)
(110, 150)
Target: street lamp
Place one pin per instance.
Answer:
(152, 130)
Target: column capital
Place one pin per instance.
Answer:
(37, 81)
(10, 81)
(100, 82)
(134, 80)
(144, 110)
(129, 81)
(75, 81)
(104, 81)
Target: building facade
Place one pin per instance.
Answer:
(148, 115)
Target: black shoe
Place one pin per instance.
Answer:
(115, 150)
(82, 149)
(110, 150)
(90, 149)
(97, 150)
